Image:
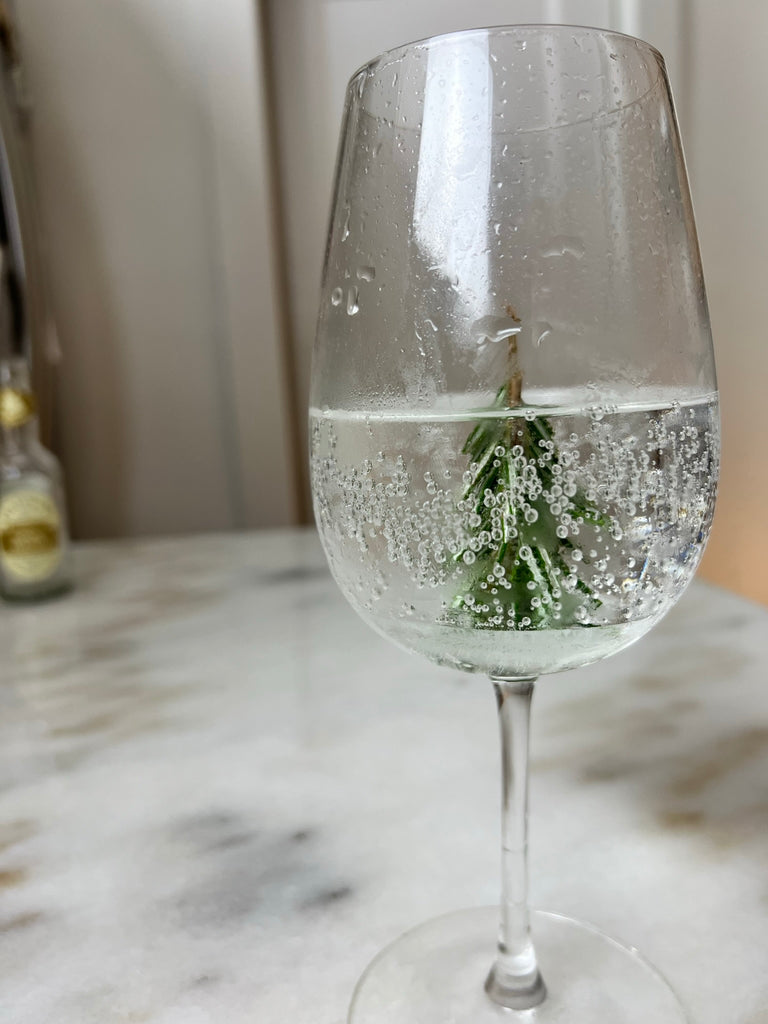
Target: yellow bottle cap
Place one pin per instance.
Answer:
(16, 407)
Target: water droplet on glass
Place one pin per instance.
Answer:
(366, 273)
(336, 296)
(345, 225)
(564, 245)
(493, 329)
(545, 331)
(353, 305)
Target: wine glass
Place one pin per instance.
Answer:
(514, 431)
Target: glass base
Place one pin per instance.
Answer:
(436, 974)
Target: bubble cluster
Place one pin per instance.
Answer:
(601, 521)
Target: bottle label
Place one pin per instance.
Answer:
(16, 407)
(30, 532)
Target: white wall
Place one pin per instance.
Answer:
(149, 152)
(149, 135)
(728, 159)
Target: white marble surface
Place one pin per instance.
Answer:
(222, 793)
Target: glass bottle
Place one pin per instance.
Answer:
(34, 539)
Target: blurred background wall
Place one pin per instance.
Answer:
(151, 153)
(183, 153)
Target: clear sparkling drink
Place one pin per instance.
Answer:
(516, 541)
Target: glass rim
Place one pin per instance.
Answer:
(387, 57)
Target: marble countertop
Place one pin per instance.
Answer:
(221, 793)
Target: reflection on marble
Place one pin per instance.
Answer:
(221, 794)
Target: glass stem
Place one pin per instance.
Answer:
(514, 980)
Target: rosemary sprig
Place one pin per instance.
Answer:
(521, 502)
